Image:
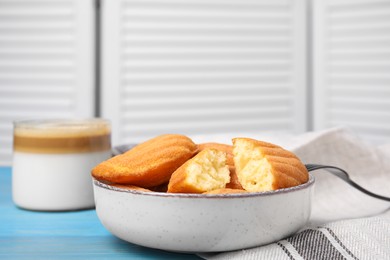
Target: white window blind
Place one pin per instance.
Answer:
(197, 66)
(352, 66)
(46, 63)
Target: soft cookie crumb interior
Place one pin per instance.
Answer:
(253, 170)
(209, 172)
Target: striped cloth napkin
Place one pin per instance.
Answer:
(345, 223)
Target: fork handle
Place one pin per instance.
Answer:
(342, 174)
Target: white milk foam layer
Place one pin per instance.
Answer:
(54, 181)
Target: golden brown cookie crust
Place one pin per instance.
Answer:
(148, 164)
(226, 191)
(130, 187)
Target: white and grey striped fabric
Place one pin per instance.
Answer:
(345, 223)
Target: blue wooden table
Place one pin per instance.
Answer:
(62, 235)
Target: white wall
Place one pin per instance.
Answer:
(46, 63)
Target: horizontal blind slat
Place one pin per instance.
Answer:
(190, 66)
(354, 66)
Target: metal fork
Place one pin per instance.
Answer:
(344, 176)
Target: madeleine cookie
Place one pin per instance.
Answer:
(130, 187)
(228, 149)
(225, 191)
(204, 172)
(234, 182)
(262, 166)
(148, 164)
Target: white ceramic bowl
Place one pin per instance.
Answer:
(202, 223)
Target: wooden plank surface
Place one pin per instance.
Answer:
(62, 235)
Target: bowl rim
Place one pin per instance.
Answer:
(303, 186)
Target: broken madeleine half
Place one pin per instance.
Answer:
(204, 172)
(262, 166)
(228, 149)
